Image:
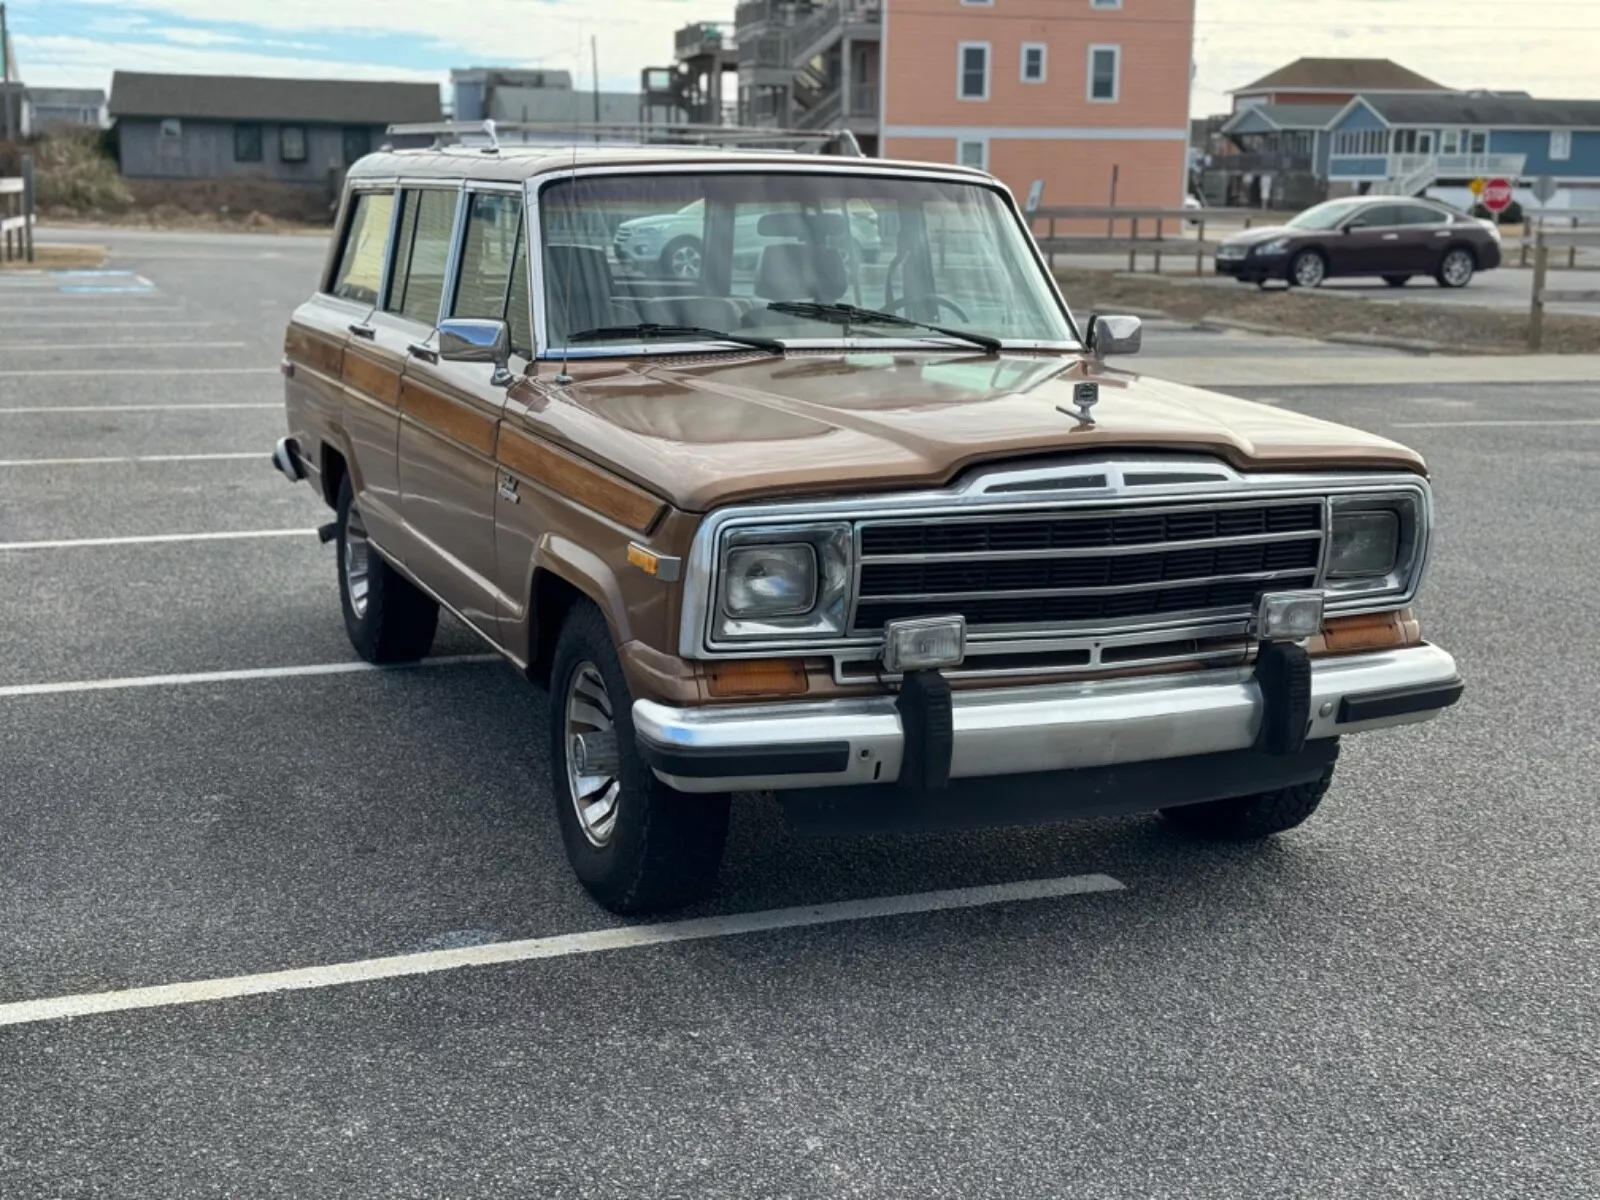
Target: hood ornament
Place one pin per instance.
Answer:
(1085, 396)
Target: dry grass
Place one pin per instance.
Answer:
(1457, 328)
(59, 258)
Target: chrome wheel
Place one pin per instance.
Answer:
(594, 762)
(357, 561)
(1457, 268)
(1309, 270)
(684, 262)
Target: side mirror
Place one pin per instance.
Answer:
(1355, 225)
(1115, 335)
(472, 340)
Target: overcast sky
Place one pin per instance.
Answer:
(1548, 47)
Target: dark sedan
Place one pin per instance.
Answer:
(1388, 236)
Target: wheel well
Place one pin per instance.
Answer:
(553, 598)
(333, 473)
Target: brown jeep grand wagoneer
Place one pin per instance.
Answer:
(877, 532)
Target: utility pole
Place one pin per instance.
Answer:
(594, 65)
(5, 71)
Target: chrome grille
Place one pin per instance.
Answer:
(1099, 568)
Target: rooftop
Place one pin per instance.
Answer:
(46, 97)
(1343, 75)
(515, 164)
(257, 98)
(1480, 108)
(1290, 116)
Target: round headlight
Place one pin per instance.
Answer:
(770, 581)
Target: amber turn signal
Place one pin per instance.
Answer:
(757, 677)
(1371, 631)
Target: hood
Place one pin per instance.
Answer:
(1265, 233)
(706, 431)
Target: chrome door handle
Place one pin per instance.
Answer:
(1391, 237)
(426, 353)
(364, 331)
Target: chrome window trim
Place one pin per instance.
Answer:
(973, 498)
(875, 168)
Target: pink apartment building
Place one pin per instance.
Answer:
(1059, 91)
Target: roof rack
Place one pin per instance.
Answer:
(492, 135)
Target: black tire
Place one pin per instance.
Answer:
(1397, 281)
(1301, 264)
(393, 622)
(674, 257)
(1448, 275)
(1247, 818)
(664, 847)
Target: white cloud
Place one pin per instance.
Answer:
(86, 62)
(197, 37)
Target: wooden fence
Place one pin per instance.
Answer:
(16, 216)
(1545, 240)
(1151, 231)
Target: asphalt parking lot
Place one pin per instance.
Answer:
(197, 783)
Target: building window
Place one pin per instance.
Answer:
(357, 143)
(1035, 56)
(292, 143)
(973, 154)
(977, 3)
(1105, 3)
(1105, 71)
(973, 82)
(1560, 145)
(1450, 141)
(169, 140)
(247, 143)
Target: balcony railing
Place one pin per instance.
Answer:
(703, 37)
(1457, 166)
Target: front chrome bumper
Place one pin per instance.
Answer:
(1016, 731)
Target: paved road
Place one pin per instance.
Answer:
(1397, 1000)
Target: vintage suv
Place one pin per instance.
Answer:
(892, 543)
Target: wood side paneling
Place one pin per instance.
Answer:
(374, 379)
(309, 349)
(572, 477)
(444, 416)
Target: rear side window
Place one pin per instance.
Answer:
(494, 269)
(1421, 214)
(422, 248)
(360, 271)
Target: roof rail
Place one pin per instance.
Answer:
(492, 135)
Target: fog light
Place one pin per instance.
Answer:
(924, 644)
(1289, 616)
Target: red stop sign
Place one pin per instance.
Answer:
(1497, 195)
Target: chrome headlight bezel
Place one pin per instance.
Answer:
(1401, 579)
(826, 617)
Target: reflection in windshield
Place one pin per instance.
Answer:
(755, 254)
(1325, 216)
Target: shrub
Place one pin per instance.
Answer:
(1511, 216)
(74, 170)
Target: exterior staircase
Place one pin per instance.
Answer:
(1413, 174)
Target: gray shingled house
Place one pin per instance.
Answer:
(222, 126)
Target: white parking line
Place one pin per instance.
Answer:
(35, 409)
(1495, 424)
(142, 371)
(62, 325)
(16, 690)
(130, 345)
(156, 539)
(135, 458)
(628, 937)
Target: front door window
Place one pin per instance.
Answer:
(1478, 142)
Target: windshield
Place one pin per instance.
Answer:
(757, 253)
(1325, 216)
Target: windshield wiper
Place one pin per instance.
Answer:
(649, 329)
(849, 314)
